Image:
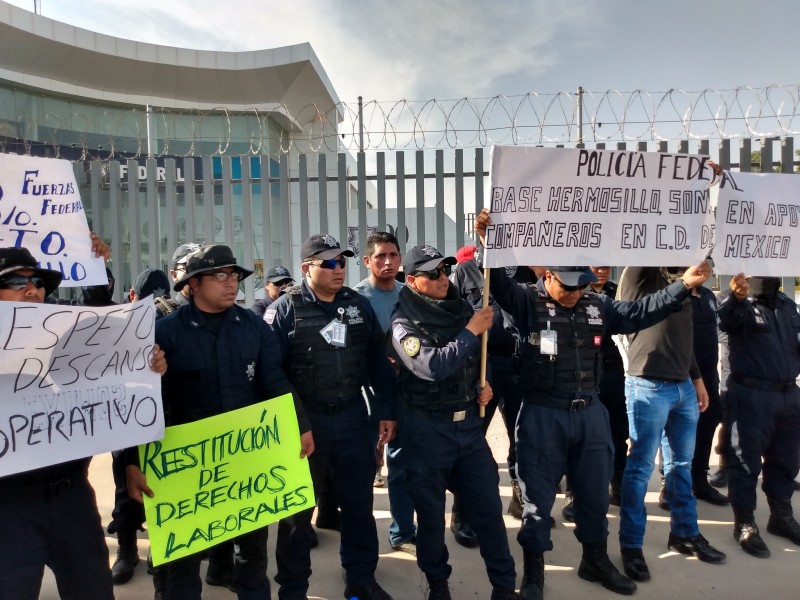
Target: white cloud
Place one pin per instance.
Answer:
(416, 49)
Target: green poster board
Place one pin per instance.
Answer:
(224, 476)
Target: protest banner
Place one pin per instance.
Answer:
(41, 210)
(75, 381)
(758, 215)
(557, 206)
(224, 476)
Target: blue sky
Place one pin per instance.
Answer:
(420, 49)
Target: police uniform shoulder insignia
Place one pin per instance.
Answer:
(269, 316)
(411, 345)
(399, 332)
(511, 271)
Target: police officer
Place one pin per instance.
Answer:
(332, 345)
(467, 278)
(275, 283)
(221, 357)
(562, 427)
(762, 406)
(177, 270)
(436, 341)
(706, 352)
(49, 514)
(612, 388)
(149, 281)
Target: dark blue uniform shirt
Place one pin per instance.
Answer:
(764, 341)
(211, 373)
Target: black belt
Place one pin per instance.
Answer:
(664, 379)
(571, 404)
(328, 408)
(448, 412)
(764, 386)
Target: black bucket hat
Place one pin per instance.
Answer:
(209, 258)
(17, 259)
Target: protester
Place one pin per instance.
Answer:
(332, 345)
(150, 281)
(381, 288)
(436, 342)
(562, 428)
(275, 283)
(763, 407)
(467, 278)
(706, 352)
(612, 388)
(222, 357)
(665, 394)
(166, 306)
(49, 514)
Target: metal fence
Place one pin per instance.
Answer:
(263, 208)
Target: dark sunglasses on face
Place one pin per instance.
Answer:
(434, 274)
(222, 276)
(570, 288)
(331, 263)
(20, 282)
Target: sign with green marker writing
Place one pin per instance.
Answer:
(224, 476)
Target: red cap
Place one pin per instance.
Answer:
(465, 253)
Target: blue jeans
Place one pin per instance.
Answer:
(656, 406)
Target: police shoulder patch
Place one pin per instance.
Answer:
(269, 316)
(411, 345)
(399, 332)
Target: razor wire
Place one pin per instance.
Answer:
(102, 131)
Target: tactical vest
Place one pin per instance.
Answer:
(460, 387)
(318, 369)
(166, 305)
(577, 365)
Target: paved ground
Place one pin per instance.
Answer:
(674, 575)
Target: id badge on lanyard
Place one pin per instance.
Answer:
(548, 342)
(335, 332)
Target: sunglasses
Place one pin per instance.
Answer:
(20, 282)
(571, 288)
(331, 263)
(434, 274)
(222, 276)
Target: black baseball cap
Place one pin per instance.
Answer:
(181, 252)
(151, 281)
(424, 258)
(209, 258)
(278, 274)
(322, 246)
(17, 259)
(573, 276)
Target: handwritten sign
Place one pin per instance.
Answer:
(224, 476)
(556, 206)
(41, 210)
(75, 381)
(758, 217)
